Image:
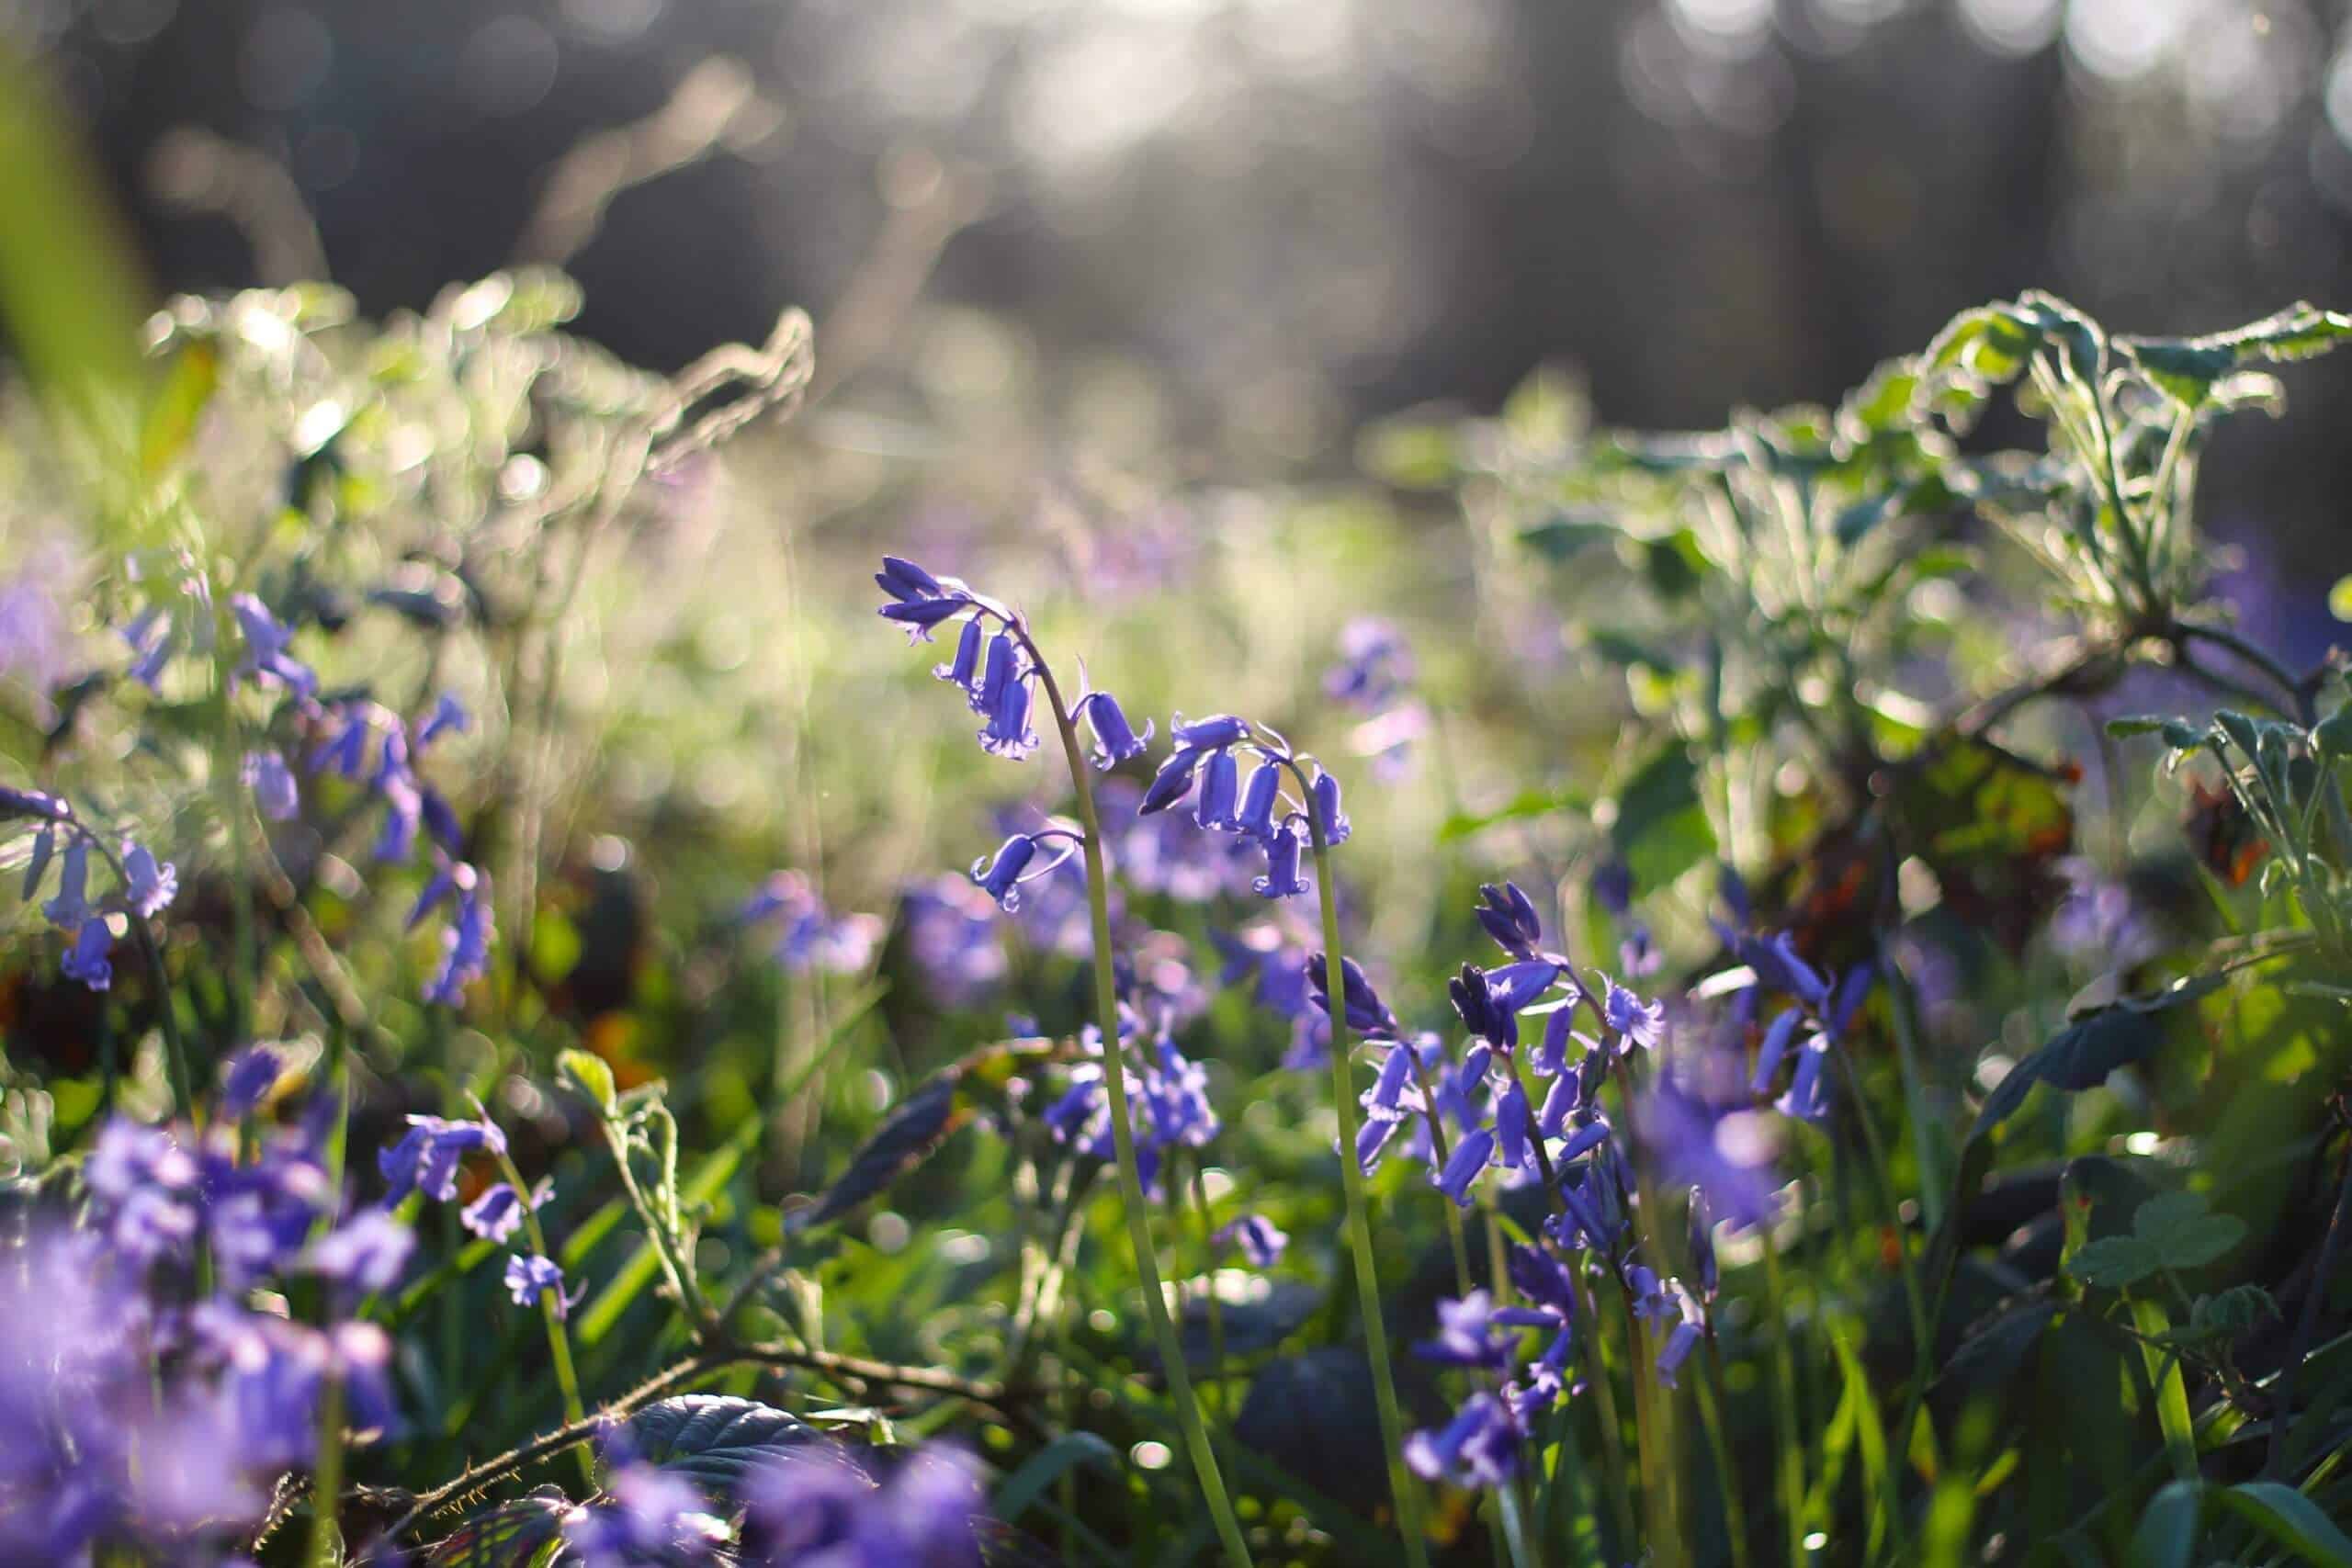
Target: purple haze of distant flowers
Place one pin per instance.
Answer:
(954, 941)
(464, 942)
(812, 1508)
(35, 647)
(808, 935)
(365, 1253)
(267, 641)
(275, 794)
(646, 1515)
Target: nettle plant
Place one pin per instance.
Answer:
(1743, 1244)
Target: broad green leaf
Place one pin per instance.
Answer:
(2289, 1518)
(1525, 806)
(1990, 342)
(2234, 1311)
(178, 403)
(1661, 828)
(2115, 1262)
(2169, 1527)
(713, 1439)
(2184, 1231)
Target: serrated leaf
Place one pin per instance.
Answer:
(511, 1535)
(713, 1439)
(2186, 369)
(2234, 1311)
(592, 1077)
(2115, 1262)
(2184, 1232)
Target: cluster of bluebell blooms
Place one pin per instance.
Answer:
(153, 1385)
(351, 736)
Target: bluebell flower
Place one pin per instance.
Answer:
(1592, 1131)
(954, 941)
(1551, 1056)
(1473, 1000)
(1637, 1023)
(645, 1515)
(365, 1254)
(1773, 1048)
(1638, 955)
(1211, 734)
(1690, 1328)
(1464, 1166)
(1780, 967)
(810, 935)
(151, 888)
(1613, 886)
(275, 795)
(813, 1509)
(529, 1278)
(1515, 986)
(999, 878)
(1853, 990)
(1172, 781)
(920, 615)
(1478, 1448)
(1387, 1101)
(1002, 670)
(33, 803)
(1467, 1336)
(71, 907)
(1256, 817)
(1008, 734)
(1220, 788)
(267, 641)
(1282, 879)
(1323, 798)
(465, 943)
(964, 670)
(1260, 1243)
(86, 959)
(1807, 1099)
(498, 1212)
(1366, 1012)
(1116, 739)
(1701, 1221)
(345, 750)
(247, 1079)
(904, 579)
(448, 717)
(426, 1158)
(1376, 662)
(151, 639)
(1510, 918)
(1512, 1121)
(1372, 1141)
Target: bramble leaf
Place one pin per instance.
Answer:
(511, 1535)
(2184, 1231)
(713, 1440)
(2115, 1262)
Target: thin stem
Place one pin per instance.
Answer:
(1123, 1138)
(2307, 1327)
(326, 1478)
(1359, 1223)
(175, 1047)
(1208, 1272)
(1715, 1405)
(551, 1310)
(1613, 1426)
(1784, 1407)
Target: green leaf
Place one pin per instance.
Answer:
(1661, 828)
(1990, 342)
(2233, 1313)
(2184, 1232)
(178, 404)
(1524, 806)
(2082, 1056)
(2188, 368)
(2290, 1519)
(713, 1439)
(2138, 723)
(2169, 1527)
(2115, 1262)
(511, 1535)
(914, 1132)
(1569, 535)
(592, 1077)
(1048, 1465)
